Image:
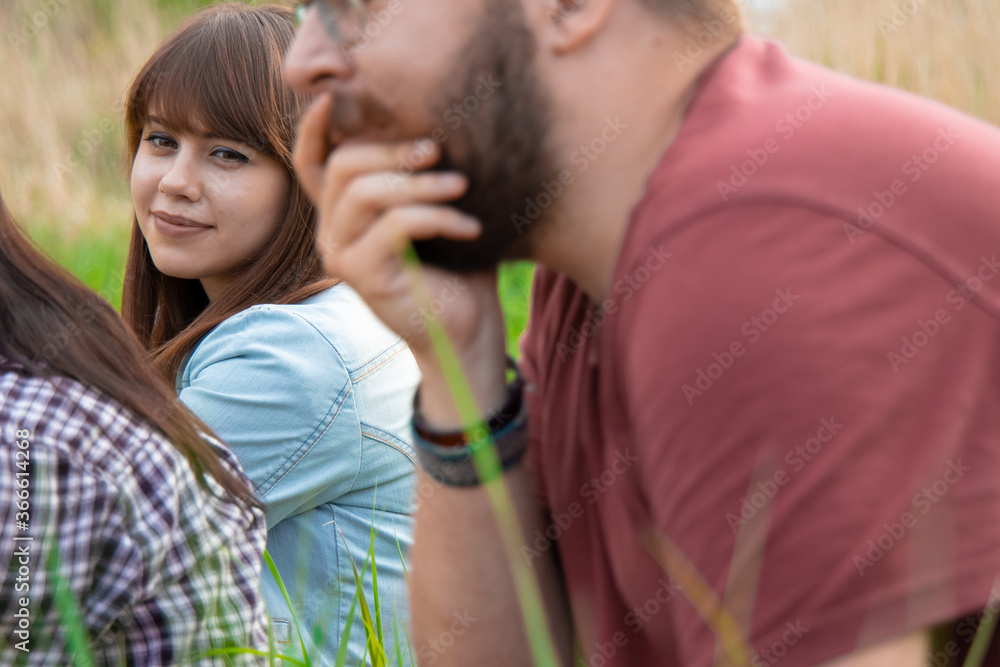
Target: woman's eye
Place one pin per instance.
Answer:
(160, 141)
(230, 155)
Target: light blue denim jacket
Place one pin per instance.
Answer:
(315, 400)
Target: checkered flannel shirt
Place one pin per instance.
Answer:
(161, 569)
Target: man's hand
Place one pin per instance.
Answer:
(368, 215)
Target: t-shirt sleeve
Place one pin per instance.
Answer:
(277, 393)
(818, 431)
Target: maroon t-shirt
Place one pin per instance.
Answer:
(779, 437)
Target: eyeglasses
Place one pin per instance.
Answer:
(344, 20)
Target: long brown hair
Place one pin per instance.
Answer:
(221, 71)
(54, 325)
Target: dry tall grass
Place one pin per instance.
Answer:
(948, 50)
(66, 65)
(62, 83)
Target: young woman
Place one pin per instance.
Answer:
(110, 491)
(225, 289)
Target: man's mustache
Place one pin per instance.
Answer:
(351, 115)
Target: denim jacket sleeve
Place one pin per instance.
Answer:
(273, 387)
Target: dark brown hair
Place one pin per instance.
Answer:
(220, 71)
(56, 326)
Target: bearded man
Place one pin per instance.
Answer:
(758, 418)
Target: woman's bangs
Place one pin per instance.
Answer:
(210, 85)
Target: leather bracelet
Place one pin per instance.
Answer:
(447, 456)
(495, 421)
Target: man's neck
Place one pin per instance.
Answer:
(610, 156)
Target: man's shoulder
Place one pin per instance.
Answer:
(775, 153)
(765, 127)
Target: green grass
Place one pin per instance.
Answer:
(97, 256)
(515, 295)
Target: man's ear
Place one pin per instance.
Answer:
(573, 23)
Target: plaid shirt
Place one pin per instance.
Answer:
(161, 570)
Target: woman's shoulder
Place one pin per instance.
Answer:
(326, 343)
(340, 314)
(334, 325)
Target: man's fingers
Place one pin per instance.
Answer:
(312, 147)
(386, 240)
(355, 157)
(396, 161)
(418, 223)
(368, 197)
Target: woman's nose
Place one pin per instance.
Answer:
(181, 179)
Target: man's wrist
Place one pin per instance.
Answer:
(485, 377)
(490, 423)
(450, 457)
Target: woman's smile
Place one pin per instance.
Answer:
(178, 226)
(207, 206)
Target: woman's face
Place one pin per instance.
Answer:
(205, 205)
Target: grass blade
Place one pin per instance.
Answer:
(373, 644)
(284, 593)
(227, 652)
(487, 463)
(346, 635)
(70, 617)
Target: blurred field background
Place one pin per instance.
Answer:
(65, 65)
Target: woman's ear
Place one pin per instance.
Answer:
(572, 23)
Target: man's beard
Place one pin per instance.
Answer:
(501, 146)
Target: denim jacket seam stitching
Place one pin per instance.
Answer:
(379, 365)
(360, 443)
(307, 444)
(324, 424)
(375, 436)
(378, 361)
